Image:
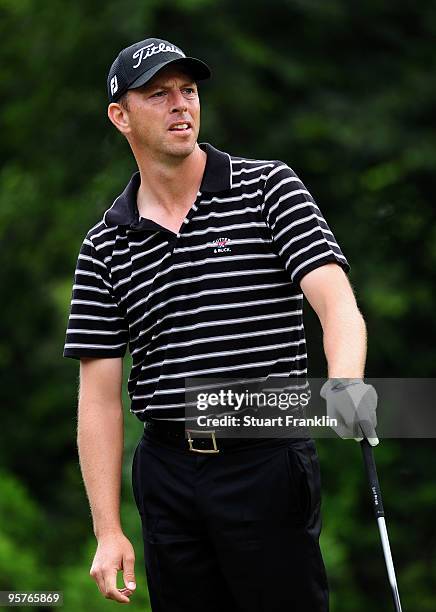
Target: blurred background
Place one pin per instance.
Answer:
(342, 91)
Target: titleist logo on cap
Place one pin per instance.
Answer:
(153, 49)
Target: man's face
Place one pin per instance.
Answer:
(157, 110)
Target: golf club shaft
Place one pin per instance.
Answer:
(371, 471)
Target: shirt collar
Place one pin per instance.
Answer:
(216, 177)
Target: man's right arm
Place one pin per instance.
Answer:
(100, 441)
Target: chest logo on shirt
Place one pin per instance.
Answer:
(221, 245)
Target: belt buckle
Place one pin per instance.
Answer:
(214, 450)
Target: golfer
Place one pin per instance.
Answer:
(200, 267)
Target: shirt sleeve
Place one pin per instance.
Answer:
(299, 231)
(96, 327)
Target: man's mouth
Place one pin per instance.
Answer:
(180, 126)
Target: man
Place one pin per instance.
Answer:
(200, 266)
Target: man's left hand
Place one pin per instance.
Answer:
(353, 404)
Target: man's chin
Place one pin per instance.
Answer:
(179, 149)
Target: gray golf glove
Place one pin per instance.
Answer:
(353, 404)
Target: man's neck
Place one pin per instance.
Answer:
(169, 190)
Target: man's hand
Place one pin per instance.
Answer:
(353, 404)
(114, 553)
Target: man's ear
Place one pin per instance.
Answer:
(119, 117)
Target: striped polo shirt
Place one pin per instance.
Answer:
(220, 298)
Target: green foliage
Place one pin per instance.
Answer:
(344, 92)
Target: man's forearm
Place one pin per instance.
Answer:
(100, 440)
(344, 341)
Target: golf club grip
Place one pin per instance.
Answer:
(371, 471)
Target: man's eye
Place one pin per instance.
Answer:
(190, 90)
(158, 94)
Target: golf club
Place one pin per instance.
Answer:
(371, 471)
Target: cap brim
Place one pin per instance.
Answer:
(198, 69)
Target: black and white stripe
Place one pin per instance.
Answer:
(187, 311)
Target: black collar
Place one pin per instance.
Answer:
(216, 177)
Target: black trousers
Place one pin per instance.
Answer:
(231, 532)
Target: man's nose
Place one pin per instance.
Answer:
(178, 102)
